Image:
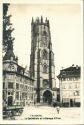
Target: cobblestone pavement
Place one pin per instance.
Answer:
(72, 115)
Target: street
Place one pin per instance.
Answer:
(72, 115)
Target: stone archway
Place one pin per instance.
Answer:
(47, 97)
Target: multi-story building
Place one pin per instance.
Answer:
(69, 82)
(42, 66)
(18, 88)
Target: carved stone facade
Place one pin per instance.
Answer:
(42, 67)
(18, 88)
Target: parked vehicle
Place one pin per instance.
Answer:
(12, 111)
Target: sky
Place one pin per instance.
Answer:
(65, 26)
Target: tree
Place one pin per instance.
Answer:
(7, 30)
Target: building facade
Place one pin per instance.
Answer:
(42, 67)
(69, 82)
(18, 88)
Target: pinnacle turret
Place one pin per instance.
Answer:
(40, 21)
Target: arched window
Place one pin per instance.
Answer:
(43, 42)
(45, 55)
(45, 68)
(44, 33)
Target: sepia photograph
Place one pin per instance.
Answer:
(42, 58)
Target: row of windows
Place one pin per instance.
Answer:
(45, 68)
(43, 30)
(73, 93)
(22, 87)
(23, 96)
(45, 55)
(18, 86)
(74, 86)
(10, 93)
(22, 80)
(19, 79)
(11, 76)
(70, 79)
(23, 103)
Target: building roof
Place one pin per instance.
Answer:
(40, 21)
(20, 71)
(72, 71)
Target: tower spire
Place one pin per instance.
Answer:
(41, 19)
(42, 49)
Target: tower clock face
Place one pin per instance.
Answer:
(11, 67)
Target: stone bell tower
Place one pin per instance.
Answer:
(42, 67)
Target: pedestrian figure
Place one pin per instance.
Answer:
(54, 104)
(9, 114)
(34, 103)
(58, 109)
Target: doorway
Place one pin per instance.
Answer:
(47, 97)
(10, 101)
(71, 102)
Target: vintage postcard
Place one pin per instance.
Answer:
(42, 63)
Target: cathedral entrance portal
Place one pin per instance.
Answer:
(47, 97)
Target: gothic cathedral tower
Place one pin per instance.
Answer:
(42, 67)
